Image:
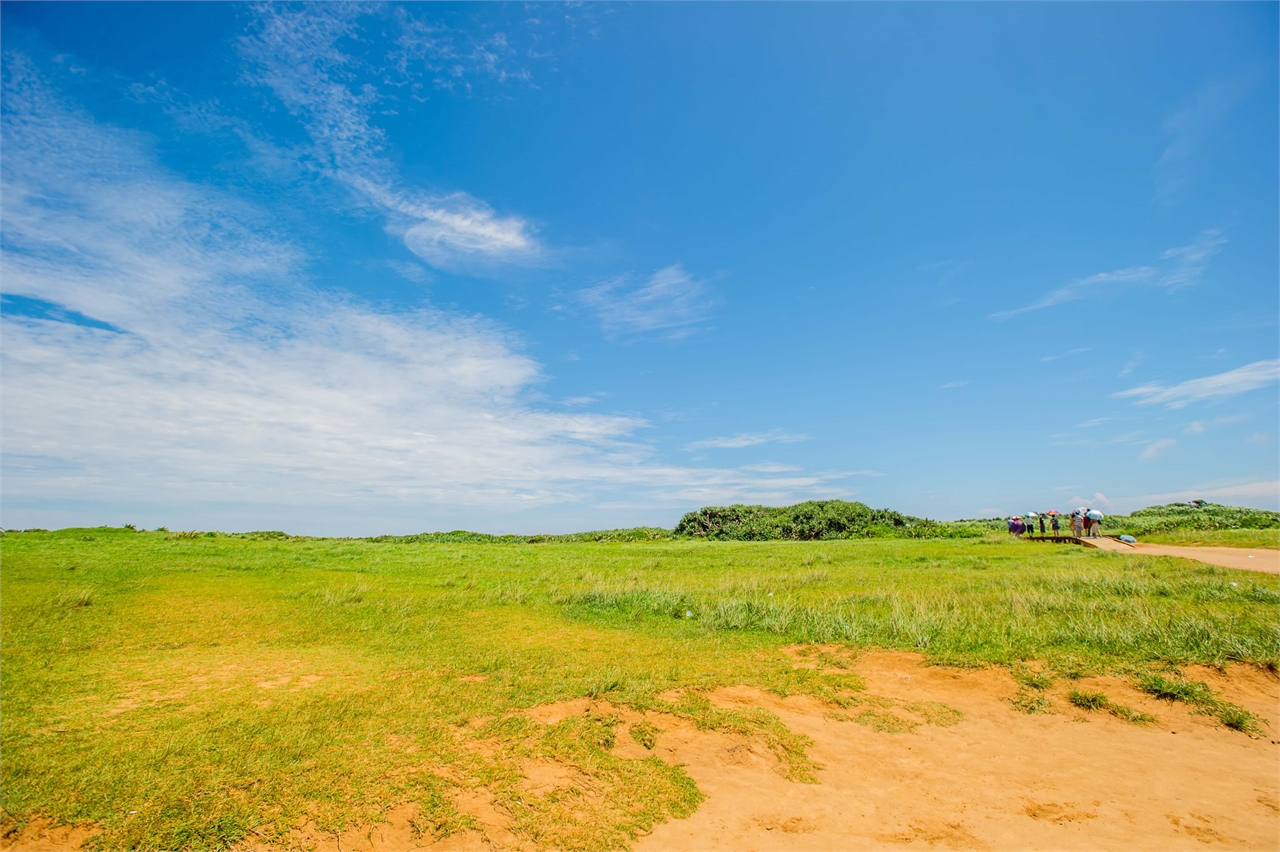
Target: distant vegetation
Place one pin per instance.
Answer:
(831, 520)
(1193, 516)
(814, 520)
(837, 519)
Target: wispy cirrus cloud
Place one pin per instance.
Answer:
(297, 53)
(1131, 365)
(1250, 377)
(1081, 288)
(670, 303)
(771, 467)
(1078, 351)
(1189, 129)
(950, 385)
(1157, 448)
(1189, 262)
(1199, 427)
(747, 439)
(1181, 266)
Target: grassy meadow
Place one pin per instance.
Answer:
(1217, 538)
(189, 691)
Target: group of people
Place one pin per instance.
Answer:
(1082, 519)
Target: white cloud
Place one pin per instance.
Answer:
(1189, 128)
(1191, 261)
(1089, 424)
(1097, 501)
(1130, 365)
(233, 383)
(770, 467)
(1240, 380)
(1265, 491)
(1199, 427)
(1081, 288)
(1067, 354)
(295, 52)
(747, 439)
(670, 302)
(1185, 265)
(412, 271)
(950, 385)
(1157, 448)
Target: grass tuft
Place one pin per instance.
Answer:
(1030, 701)
(1087, 700)
(645, 733)
(73, 598)
(1200, 696)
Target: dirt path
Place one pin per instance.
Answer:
(1244, 558)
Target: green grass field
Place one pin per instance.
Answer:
(1217, 538)
(186, 691)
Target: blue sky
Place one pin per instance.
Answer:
(513, 268)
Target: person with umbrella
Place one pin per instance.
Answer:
(1053, 520)
(1095, 522)
(1042, 523)
(1031, 523)
(1077, 522)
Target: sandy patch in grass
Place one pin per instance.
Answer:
(998, 779)
(39, 836)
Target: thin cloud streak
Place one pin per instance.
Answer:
(1185, 265)
(670, 303)
(1081, 288)
(1079, 351)
(1189, 129)
(1157, 448)
(747, 439)
(1191, 261)
(1250, 377)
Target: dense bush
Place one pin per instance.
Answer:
(815, 519)
(1197, 515)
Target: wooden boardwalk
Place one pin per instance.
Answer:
(1056, 539)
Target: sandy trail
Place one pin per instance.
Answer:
(1244, 558)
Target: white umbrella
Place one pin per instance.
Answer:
(1095, 515)
(1032, 515)
(1082, 510)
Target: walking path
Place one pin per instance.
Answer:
(1244, 558)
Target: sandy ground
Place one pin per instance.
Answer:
(1244, 558)
(997, 779)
